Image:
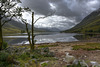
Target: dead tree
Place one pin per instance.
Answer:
(32, 43)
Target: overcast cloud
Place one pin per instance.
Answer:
(68, 12)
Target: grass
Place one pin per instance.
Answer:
(40, 54)
(88, 46)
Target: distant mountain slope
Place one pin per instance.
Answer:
(13, 27)
(89, 24)
(16, 27)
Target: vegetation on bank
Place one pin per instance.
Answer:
(22, 56)
(88, 46)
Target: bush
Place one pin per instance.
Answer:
(24, 56)
(3, 56)
(5, 59)
(4, 46)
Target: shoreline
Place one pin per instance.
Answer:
(60, 49)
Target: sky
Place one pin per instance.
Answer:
(68, 13)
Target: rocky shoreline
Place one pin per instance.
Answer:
(64, 50)
(59, 54)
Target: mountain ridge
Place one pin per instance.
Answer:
(90, 24)
(16, 27)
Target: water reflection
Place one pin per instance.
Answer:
(82, 37)
(42, 38)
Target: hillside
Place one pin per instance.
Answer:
(17, 27)
(13, 27)
(90, 24)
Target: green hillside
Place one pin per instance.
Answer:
(13, 27)
(90, 24)
(17, 27)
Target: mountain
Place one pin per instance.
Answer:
(90, 24)
(13, 27)
(16, 27)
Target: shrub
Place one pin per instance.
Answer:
(24, 56)
(3, 56)
(4, 46)
(5, 59)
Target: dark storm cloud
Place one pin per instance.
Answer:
(68, 8)
(39, 6)
(76, 9)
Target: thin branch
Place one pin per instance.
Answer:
(7, 21)
(39, 19)
(44, 17)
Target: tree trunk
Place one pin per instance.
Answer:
(32, 46)
(1, 37)
(28, 34)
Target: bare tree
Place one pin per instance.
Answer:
(32, 43)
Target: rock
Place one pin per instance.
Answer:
(94, 64)
(82, 63)
(44, 62)
(68, 58)
(76, 61)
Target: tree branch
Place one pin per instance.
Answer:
(7, 20)
(44, 17)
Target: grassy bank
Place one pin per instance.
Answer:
(88, 46)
